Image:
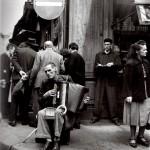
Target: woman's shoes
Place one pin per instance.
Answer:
(143, 141)
(132, 143)
(140, 140)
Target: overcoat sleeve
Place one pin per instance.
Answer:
(15, 61)
(62, 66)
(41, 91)
(128, 81)
(117, 63)
(95, 65)
(35, 69)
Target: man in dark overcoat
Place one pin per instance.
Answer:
(75, 67)
(22, 60)
(6, 69)
(106, 67)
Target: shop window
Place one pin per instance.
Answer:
(143, 12)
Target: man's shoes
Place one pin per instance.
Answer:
(12, 123)
(132, 143)
(40, 140)
(116, 122)
(48, 145)
(148, 126)
(143, 141)
(56, 145)
(94, 120)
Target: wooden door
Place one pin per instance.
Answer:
(89, 23)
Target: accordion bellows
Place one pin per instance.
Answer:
(75, 95)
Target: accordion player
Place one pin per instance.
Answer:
(58, 96)
(52, 101)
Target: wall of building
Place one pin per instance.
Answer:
(11, 11)
(89, 23)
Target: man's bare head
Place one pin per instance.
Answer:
(50, 70)
(48, 44)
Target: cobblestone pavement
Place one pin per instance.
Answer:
(99, 136)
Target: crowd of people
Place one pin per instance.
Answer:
(41, 79)
(29, 71)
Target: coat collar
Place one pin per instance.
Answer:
(108, 52)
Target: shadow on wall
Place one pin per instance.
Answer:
(93, 33)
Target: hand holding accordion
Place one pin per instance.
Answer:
(71, 96)
(62, 109)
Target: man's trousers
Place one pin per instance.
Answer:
(105, 90)
(43, 127)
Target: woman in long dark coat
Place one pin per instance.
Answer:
(136, 92)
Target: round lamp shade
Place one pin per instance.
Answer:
(49, 9)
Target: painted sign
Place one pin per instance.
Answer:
(49, 9)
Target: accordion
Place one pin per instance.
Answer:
(70, 95)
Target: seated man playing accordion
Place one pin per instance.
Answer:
(53, 109)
